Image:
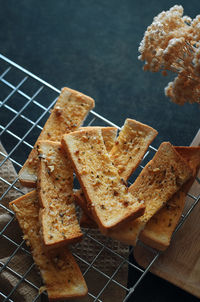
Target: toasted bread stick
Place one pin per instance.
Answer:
(110, 201)
(68, 114)
(159, 180)
(59, 224)
(109, 137)
(59, 270)
(158, 231)
(126, 154)
(131, 146)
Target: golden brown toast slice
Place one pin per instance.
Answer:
(59, 224)
(68, 114)
(59, 270)
(110, 201)
(127, 152)
(131, 146)
(109, 136)
(159, 180)
(158, 231)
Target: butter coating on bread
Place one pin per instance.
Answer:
(59, 224)
(110, 201)
(159, 180)
(127, 152)
(131, 146)
(59, 270)
(109, 136)
(67, 115)
(158, 231)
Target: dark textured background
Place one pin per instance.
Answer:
(91, 46)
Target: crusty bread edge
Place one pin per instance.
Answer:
(53, 298)
(147, 238)
(104, 230)
(153, 133)
(127, 218)
(61, 243)
(24, 171)
(32, 183)
(152, 242)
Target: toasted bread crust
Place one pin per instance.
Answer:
(159, 180)
(109, 135)
(158, 231)
(59, 223)
(67, 115)
(128, 150)
(163, 175)
(85, 148)
(131, 146)
(59, 270)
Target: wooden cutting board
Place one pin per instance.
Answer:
(180, 263)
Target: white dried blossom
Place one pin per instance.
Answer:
(172, 43)
(183, 89)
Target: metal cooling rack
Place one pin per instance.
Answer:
(23, 93)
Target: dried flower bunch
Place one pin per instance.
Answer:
(171, 43)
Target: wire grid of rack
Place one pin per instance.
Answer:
(23, 94)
